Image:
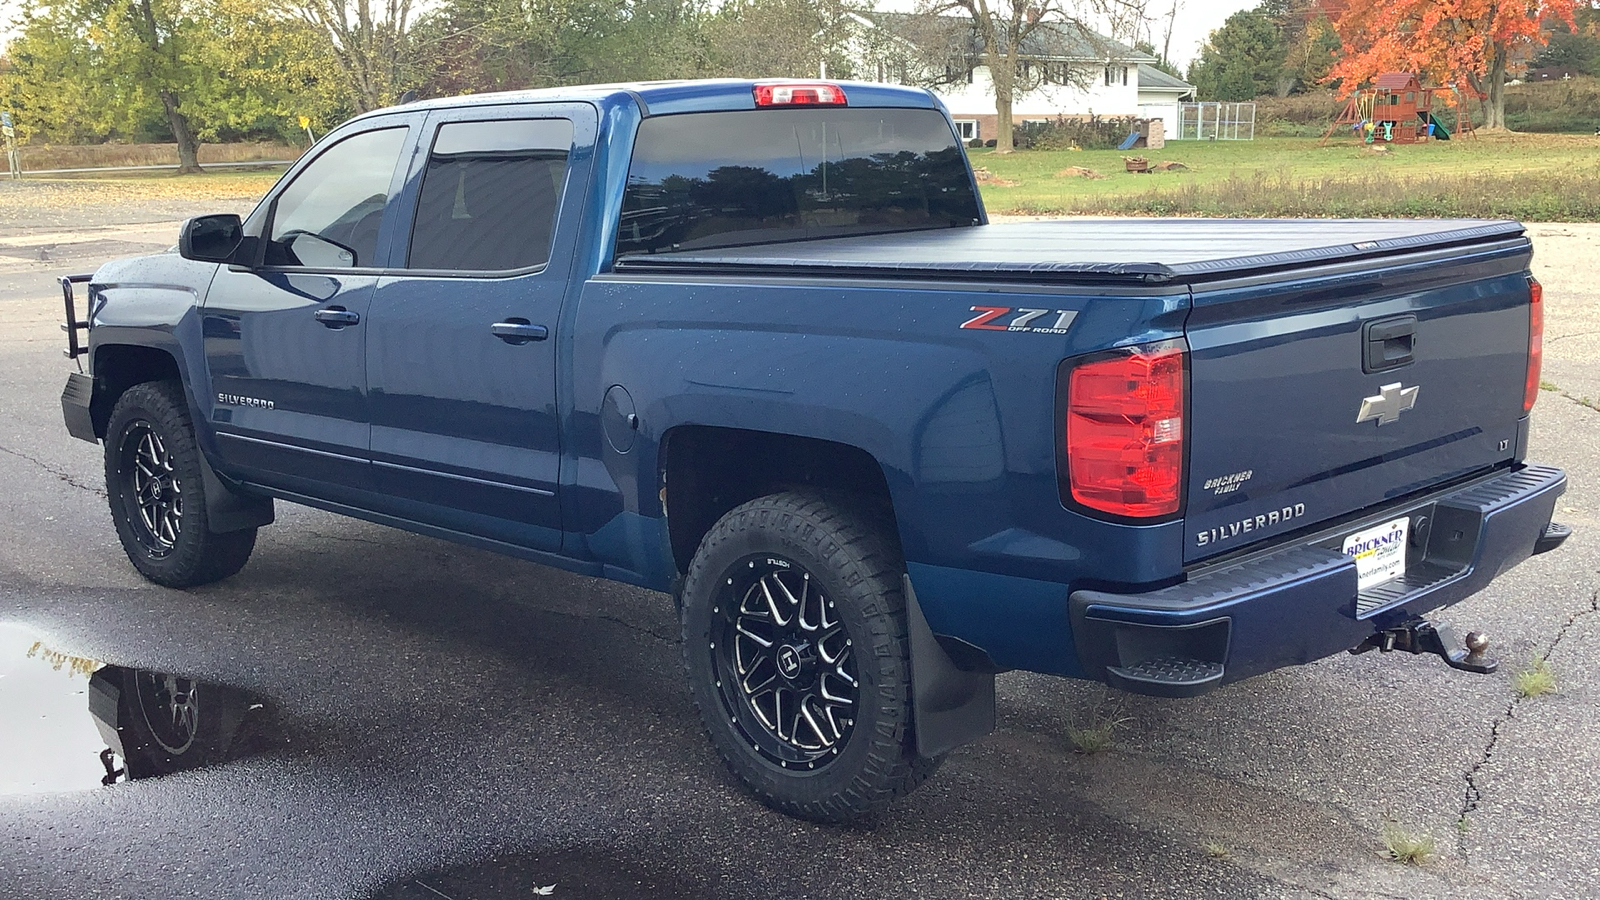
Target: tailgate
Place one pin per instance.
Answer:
(1319, 393)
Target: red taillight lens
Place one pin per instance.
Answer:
(801, 94)
(1530, 391)
(1124, 432)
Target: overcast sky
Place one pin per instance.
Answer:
(1195, 20)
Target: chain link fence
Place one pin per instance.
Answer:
(1216, 122)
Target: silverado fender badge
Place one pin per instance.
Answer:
(1392, 400)
(225, 399)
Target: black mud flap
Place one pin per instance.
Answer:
(952, 706)
(230, 510)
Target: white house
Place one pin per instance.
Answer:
(1160, 95)
(1071, 73)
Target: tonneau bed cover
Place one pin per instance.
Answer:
(1143, 250)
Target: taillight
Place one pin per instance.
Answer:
(1124, 431)
(1530, 391)
(799, 94)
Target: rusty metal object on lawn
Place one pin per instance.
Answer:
(1136, 163)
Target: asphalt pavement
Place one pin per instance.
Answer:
(440, 721)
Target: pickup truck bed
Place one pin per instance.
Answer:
(1149, 251)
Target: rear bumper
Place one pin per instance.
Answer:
(1300, 603)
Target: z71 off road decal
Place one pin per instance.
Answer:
(1007, 318)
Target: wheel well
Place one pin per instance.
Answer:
(119, 367)
(708, 471)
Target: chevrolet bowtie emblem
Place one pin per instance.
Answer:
(1392, 400)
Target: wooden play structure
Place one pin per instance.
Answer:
(1397, 109)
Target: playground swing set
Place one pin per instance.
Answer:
(1397, 109)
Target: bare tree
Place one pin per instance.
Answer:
(1166, 40)
(1015, 40)
(369, 41)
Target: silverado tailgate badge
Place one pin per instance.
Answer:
(1392, 400)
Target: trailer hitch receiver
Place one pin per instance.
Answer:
(1422, 636)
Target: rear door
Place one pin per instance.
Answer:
(462, 345)
(1323, 393)
(285, 338)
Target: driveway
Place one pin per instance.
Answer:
(437, 721)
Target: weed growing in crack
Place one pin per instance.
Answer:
(1096, 735)
(1548, 386)
(1463, 824)
(1218, 851)
(1535, 680)
(1091, 739)
(1404, 846)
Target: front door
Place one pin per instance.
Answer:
(285, 336)
(461, 346)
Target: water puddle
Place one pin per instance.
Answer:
(71, 723)
(586, 873)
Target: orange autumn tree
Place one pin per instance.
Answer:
(1452, 42)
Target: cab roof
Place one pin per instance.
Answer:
(656, 98)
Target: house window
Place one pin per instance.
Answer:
(967, 128)
(1124, 76)
(1108, 76)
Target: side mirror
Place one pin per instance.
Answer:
(210, 238)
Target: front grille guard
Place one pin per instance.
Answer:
(75, 347)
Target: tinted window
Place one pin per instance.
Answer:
(727, 178)
(338, 198)
(489, 195)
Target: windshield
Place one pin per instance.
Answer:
(723, 179)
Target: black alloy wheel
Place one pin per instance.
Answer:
(170, 708)
(783, 662)
(156, 492)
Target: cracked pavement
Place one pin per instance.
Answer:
(445, 708)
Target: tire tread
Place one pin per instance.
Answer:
(202, 556)
(861, 552)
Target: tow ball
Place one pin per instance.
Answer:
(1422, 636)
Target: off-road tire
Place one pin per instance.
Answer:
(153, 475)
(809, 542)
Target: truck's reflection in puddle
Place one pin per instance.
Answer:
(72, 723)
(68, 722)
(158, 723)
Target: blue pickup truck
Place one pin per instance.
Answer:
(756, 345)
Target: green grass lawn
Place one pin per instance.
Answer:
(1533, 177)
(1536, 177)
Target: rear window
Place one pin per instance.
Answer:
(724, 179)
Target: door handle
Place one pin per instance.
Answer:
(336, 317)
(518, 331)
